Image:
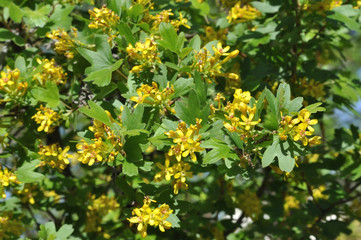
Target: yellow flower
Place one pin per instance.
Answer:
(6, 178)
(54, 156)
(145, 54)
(153, 96)
(186, 139)
(178, 184)
(47, 118)
(65, 43)
(97, 209)
(50, 72)
(91, 153)
(290, 202)
(244, 13)
(10, 225)
(250, 204)
(9, 84)
(103, 18)
(28, 193)
(211, 34)
(145, 216)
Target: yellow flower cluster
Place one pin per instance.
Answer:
(164, 17)
(321, 7)
(104, 19)
(243, 13)
(211, 65)
(145, 216)
(299, 128)
(312, 88)
(290, 202)
(240, 115)
(28, 193)
(11, 86)
(250, 204)
(145, 54)
(210, 34)
(97, 209)
(54, 156)
(151, 95)
(47, 118)
(179, 171)
(50, 72)
(10, 226)
(65, 43)
(318, 192)
(98, 150)
(6, 178)
(187, 141)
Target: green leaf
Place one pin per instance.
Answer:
(26, 174)
(283, 96)
(37, 17)
(102, 58)
(50, 94)
(61, 16)
(48, 232)
(169, 37)
(65, 231)
(103, 76)
(20, 64)
(134, 120)
(200, 88)
(195, 43)
(270, 154)
(265, 7)
(203, 7)
(96, 112)
(349, 22)
(15, 12)
(313, 108)
(129, 168)
(126, 32)
(220, 150)
(7, 35)
(182, 86)
(174, 220)
(285, 151)
(272, 117)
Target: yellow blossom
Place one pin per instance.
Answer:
(211, 34)
(65, 43)
(10, 85)
(250, 204)
(47, 118)
(210, 65)
(49, 72)
(97, 209)
(186, 139)
(6, 178)
(321, 7)
(153, 96)
(28, 193)
(312, 88)
(91, 153)
(10, 225)
(145, 216)
(290, 202)
(244, 13)
(145, 54)
(54, 156)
